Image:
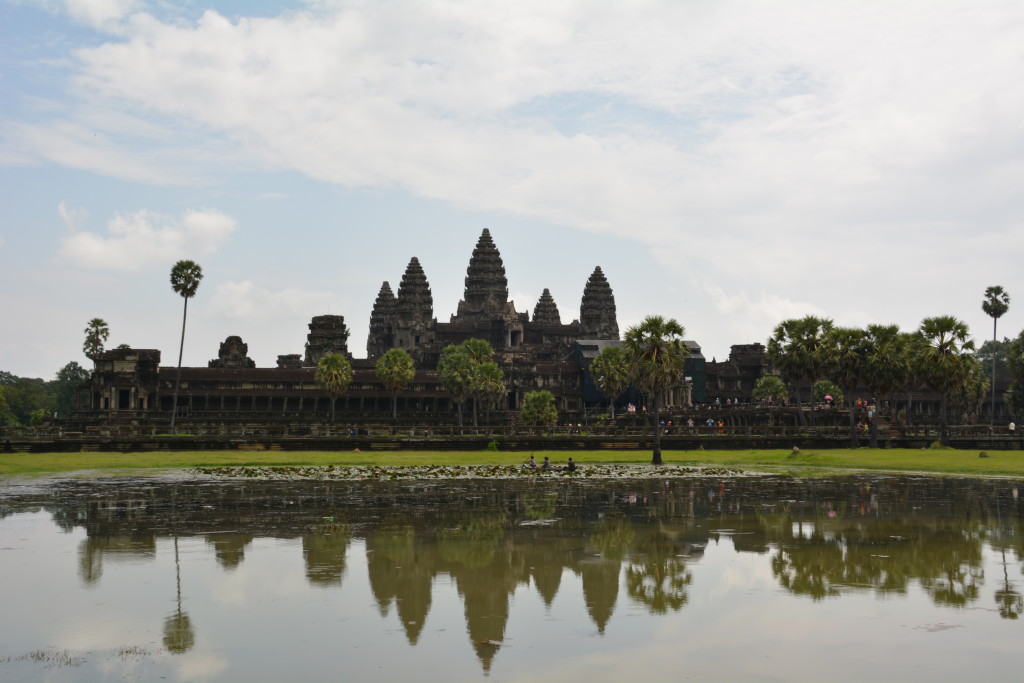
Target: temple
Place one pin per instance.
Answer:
(534, 353)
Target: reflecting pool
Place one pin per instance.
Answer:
(876, 578)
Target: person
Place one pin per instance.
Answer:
(1012, 427)
(547, 463)
(531, 464)
(571, 467)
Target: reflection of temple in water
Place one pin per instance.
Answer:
(623, 540)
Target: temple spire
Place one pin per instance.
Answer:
(381, 337)
(546, 311)
(597, 309)
(486, 285)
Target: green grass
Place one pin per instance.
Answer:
(804, 463)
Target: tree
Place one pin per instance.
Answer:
(886, 365)
(610, 371)
(939, 357)
(1015, 364)
(333, 375)
(96, 333)
(656, 358)
(481, 388)
(843, 352)
(826, 387)
(66, 385)
(25, 398)
(996, 303)
(539, 409)
(6, 416)
(769, 388)
(395, 369)
(488, 385)
(793, 351)
(455, 370)
(185, 278)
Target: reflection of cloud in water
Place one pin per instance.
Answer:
(197, 666)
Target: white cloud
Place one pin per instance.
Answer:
(99, 13)
(144, 238)
(676, 119)
(73, 218)
(246, 302)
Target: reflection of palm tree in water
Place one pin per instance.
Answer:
(178, 634)
(1009, 601)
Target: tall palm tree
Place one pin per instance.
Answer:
(480, 353)
(886, 365)
(488, 385)
(843, 354)
(395, 369)
(610, 371)
(96, 332)
(333, 375)
(793, 350)
(657, 355)
(185, 278)
(996, 303)
(455, 370)
(939, 358)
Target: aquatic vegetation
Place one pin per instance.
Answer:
(413, 472)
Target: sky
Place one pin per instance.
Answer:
(729, 164)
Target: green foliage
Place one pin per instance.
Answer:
(333, 375)
(539, 409)
(996, 303)
(823, 388)
(610, 371)
(657, 356)
(185, 278)
(26, 396)
(467, 371)
(769, 387)
(995, 353)
(492, 446)
(455, 370)
(6, 417)
(65, 385)
(395, 369)
(96, 333)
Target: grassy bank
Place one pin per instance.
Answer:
(937, 460)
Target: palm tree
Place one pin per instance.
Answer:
(395, 369)
(455, 370)
(940, 355)
(488, 385)
(96, 332)
(794, 351)
(185, 278)
(656, 356)
(996, 303)
(479, 352)
(610, 370)
(333, 375)
(886, 365)
(843, 354)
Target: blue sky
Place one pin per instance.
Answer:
(728, 164)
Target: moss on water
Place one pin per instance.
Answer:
(804, 462)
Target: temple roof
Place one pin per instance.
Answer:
(597, 309)
(414, 301)
(486, 284)
(546, 311)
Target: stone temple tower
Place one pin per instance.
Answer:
(546, 311)
(597, 310)
(414, 308)
(486, 294)
(382, 319)
(327, 334)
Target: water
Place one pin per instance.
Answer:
(852, 579)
